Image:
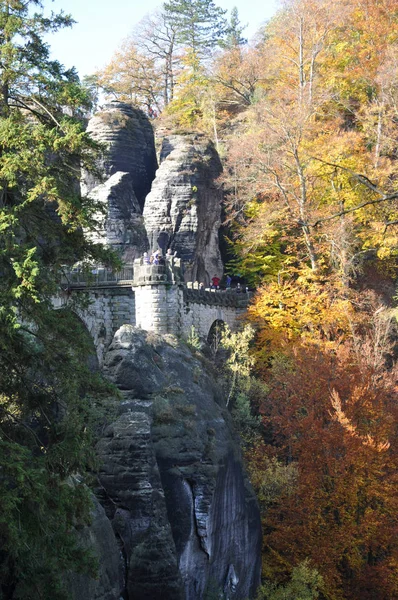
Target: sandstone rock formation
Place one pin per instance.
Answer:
(183, 209)
(171, 478)
(128, 140)
(121, 222)
(124, 176)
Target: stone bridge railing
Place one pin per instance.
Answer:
(154, 297)
(98, 277)
(227, 297)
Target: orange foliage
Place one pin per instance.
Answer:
(334, 416)
(322, 115)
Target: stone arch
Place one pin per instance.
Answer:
(214, 335)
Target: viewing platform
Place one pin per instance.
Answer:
(153, 297)
(139, 273)
(98, 277)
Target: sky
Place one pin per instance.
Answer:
(103, 24)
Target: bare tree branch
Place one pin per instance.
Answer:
(383, 197)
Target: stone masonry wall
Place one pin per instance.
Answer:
(151, 308)
(201, 308)
(109, 309)
(159, 308)
(165, 308)
(158, 302)
(202, 317)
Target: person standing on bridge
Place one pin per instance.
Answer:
(215, 282)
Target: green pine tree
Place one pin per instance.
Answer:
(44, 439)
(200, 24)
(233, 36)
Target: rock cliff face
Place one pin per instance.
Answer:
(121, 223)
(124, 176)
(128, 140)
(183, 209)
(171, 478)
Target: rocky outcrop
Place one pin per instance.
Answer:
(121, 224)
(171, 477)
(123, 177)
(183, 209)
(101, 541)
(134, 499)
(127, 136)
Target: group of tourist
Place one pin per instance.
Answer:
(157, 258)
(215, 284)
(152, 114)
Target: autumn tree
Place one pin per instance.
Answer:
(156, 37)
(312, 203)
(333, 417)
(163, 53)
(238, 71)
(296, 172)
(133, 76)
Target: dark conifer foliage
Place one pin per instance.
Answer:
(200, 23)
(233, 38)
(44, 440)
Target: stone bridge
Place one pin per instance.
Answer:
(153, 297)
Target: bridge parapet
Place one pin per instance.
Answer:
(98, 277)
(216, 297)
(153, 297)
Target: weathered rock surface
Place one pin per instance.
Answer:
(128, 139)
(101, 540)
(134, 500)
(171, 477)
(121, 222)
(183, 209)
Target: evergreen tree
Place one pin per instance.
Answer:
(233, 38)
(43, 378)
(200, 24)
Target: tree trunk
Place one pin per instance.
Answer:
(378, 137)
(5, 77)
(301, 61)
(303, 214)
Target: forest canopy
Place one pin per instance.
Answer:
(305, 119)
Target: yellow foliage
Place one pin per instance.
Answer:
(186, 108)
(132, 76)
(303, 306)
